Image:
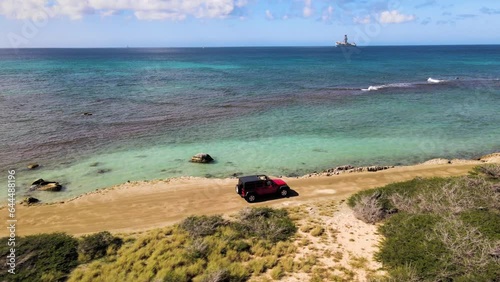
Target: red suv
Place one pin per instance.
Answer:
(252, 186)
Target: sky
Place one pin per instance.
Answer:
(221, 23)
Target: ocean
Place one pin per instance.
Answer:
(272, 110)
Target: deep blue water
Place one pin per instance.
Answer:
(281, 111)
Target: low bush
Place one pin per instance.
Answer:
(42, 257)
(487, 222)
(369, 209)
(317, 231)
(445, 229)
(490, 171)
(407, 189)
(96, 245)
(267, 223)
(219, 275)
(407, 242)
(277, 273)
(200, 248)
(199, 226)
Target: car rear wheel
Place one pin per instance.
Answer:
(251, 198)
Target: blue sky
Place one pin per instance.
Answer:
(206, 23)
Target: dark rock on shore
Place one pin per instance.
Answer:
(42, 185)
(30, 201)
(377, 168)
(347, 169)
(202, 158)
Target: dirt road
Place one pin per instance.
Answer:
(145, 205)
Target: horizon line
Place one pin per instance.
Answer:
(253, 46)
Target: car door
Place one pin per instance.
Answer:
(268, 187)
(271, 186)
(260, 188)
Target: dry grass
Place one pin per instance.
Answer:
(470, 249)
(317, 231)
(369, 209)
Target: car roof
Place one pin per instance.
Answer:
(251, 178)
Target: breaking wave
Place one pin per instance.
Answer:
(432, 80)
(391, 85)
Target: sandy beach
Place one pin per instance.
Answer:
(139, 206)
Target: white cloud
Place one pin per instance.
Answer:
(19, 9)
(327, 14)
(269, 15)
(108, 13)
(307, 11)
(395, 17)
(241, 3)
(142, 9)
(362, 20)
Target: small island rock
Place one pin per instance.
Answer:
(33, 166)
(42, 185)
(30, 200)
(202, 158)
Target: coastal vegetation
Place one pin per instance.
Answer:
(201, 248)
(435, 229)
(43, 257)
(438, 229)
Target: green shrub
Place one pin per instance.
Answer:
(490, 171)
(95, 246)
(267, 223)
(48, 257)
(407, 242)
(198, 249)
(487, 222)
(219, 275)
(446, 229)
(199, 226)
(177, 275)
(403, 273)
(317, 231)
(277, 273)
(406, 189)
(239, 246)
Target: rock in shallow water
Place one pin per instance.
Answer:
(33, 166)
(30, 200)
(42, 185)
(202, 158)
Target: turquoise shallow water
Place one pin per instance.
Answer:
(280, 111)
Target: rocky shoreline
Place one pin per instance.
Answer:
(339, 170)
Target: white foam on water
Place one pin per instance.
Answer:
(432, 80)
